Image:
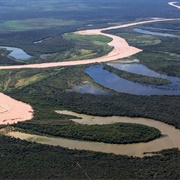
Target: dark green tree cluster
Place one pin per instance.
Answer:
(118, 133)
(25, 160)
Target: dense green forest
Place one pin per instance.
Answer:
(24, 160)
(48, 92)
(118, 133)
(22, 24)
(91, 11)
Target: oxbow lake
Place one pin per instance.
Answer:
(114, 82)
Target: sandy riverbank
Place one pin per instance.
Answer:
(174, 4)
(121, 48)
(13, 111)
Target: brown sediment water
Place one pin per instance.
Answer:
(170, 139)
(12, 111)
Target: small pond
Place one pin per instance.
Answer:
(114, 82)
(90, 89)
(41, 40)
(16, 53)
(43, 56)
(37, 42)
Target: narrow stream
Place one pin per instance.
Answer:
(144, 31)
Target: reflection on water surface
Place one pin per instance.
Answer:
(114, 82)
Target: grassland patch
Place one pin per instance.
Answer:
(26, 81)
(140, 40)
(34, 24)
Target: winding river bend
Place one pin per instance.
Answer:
(121, 49)
(171, 137)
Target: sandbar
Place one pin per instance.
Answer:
(13, 111)
(174, 4)
(121, 48)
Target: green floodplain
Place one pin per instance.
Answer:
(33, 24)
(47, 90)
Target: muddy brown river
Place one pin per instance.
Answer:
(171, 138)
(121, 49)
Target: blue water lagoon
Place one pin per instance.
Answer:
(114, 82)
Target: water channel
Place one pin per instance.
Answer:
(143, 31)
(161, 29)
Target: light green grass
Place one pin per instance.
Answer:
(32, 24)
(140, 40)
(99, 38)
(86, 47)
